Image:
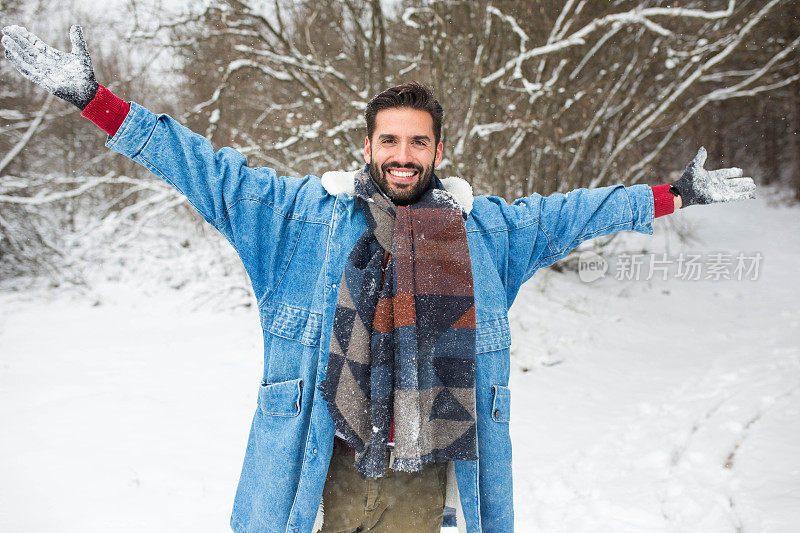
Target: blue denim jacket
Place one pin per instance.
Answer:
(293, 236)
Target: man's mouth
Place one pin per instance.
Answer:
(403, 175)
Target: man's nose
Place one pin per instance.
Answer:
(403, 155)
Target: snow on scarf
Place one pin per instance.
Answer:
(404, 335)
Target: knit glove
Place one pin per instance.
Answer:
(67, 75)
(700, 186)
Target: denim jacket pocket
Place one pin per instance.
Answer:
(292, 323)
(501, 403)
(492, 333)
(291, 341)
(281, 399)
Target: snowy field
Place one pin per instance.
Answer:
(638, 405)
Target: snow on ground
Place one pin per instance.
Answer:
(675, 406)
(638, 405)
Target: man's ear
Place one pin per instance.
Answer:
(367, 156)
(437, 160)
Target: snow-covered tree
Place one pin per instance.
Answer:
(538, 96)
(57, 180)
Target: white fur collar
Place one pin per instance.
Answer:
(337, 182)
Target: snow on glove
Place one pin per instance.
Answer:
(700, 186)
(67, 75)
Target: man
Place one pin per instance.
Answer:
(383, 294)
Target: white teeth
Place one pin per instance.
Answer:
(403, 173)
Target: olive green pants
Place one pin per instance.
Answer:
(398, 502)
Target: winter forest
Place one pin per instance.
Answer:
(645, 401)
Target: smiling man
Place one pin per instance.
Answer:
(383, 294)
(407, 146)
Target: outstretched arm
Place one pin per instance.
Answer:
(214, 181)
(546, 229)
(210, 179)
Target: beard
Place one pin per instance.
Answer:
(406, 195)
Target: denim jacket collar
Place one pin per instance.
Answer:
(337, 182)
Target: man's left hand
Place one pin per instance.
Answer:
(700, 186)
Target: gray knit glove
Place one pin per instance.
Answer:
(67, 75)
(700, 186)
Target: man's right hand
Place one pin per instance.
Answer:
(67, 75)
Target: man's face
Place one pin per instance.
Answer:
(402, 153)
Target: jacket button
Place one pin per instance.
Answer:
(497, 413)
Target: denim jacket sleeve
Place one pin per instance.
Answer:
(253, 208)
(211, 180)
(543, 230)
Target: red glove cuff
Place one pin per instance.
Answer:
(106, 110)
(663, 200)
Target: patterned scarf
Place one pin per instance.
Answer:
(404, 335)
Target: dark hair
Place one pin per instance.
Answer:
(413, 95)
